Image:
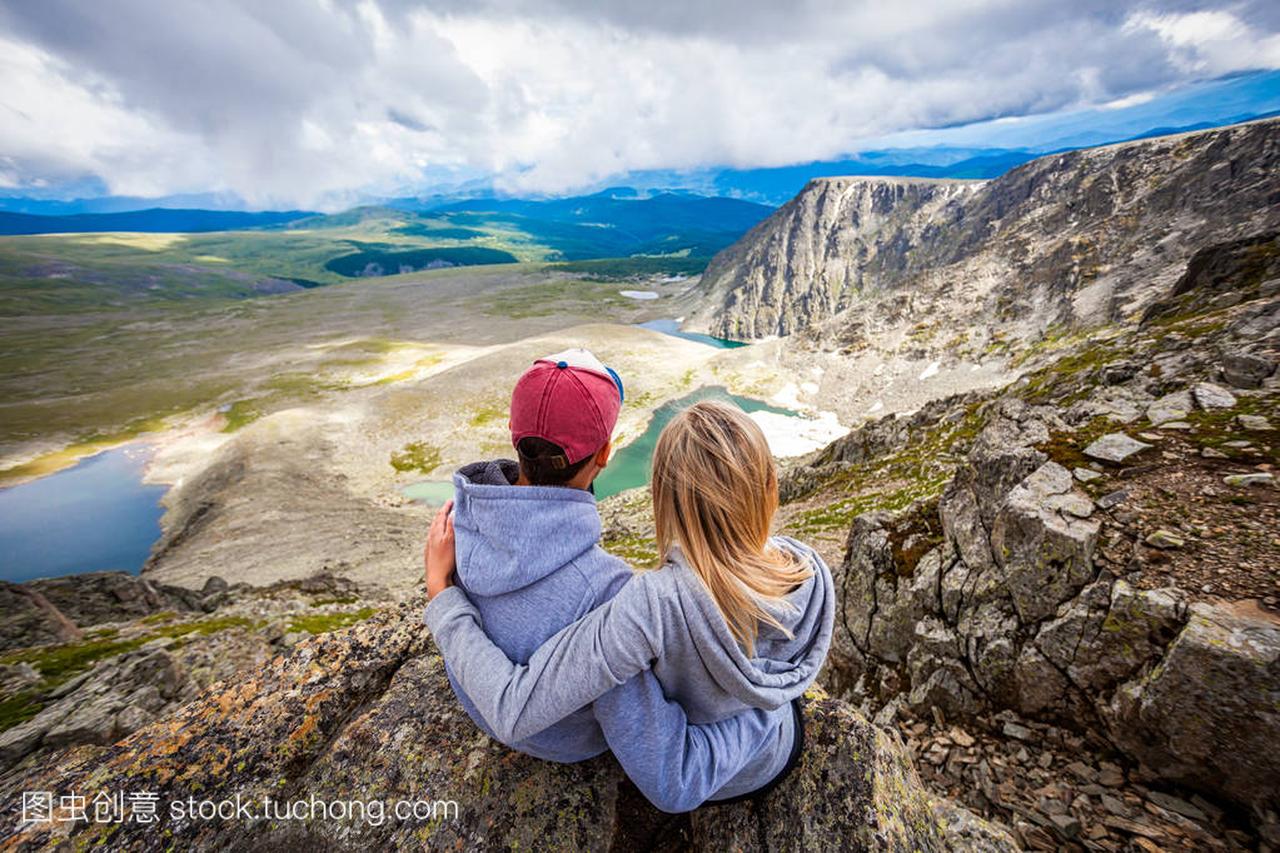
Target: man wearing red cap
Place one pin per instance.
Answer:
(563, 411)
(529, 558)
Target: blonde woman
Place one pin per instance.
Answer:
(735, 619)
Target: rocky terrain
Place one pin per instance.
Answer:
(87, 659)
(1067, 594)
(366, 714)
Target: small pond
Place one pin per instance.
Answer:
(96, 515)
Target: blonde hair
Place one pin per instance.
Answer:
(715, 492)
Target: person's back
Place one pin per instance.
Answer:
(529, 559)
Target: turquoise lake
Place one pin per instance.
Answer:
(671, 327)
(94, 516)
(629, 467)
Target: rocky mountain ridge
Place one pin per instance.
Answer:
(1074, 239)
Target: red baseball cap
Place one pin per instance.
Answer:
(569, 399)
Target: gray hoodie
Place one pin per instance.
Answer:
(664, 620)
(530, 561)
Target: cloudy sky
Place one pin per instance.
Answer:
(316, 103)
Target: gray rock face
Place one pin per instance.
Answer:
(112, 700)
(1259, 479)
(1049, 225)
(811, 258)
(1009, 613)
(1254, 423)
(1210, 713)
(27, 618)
(1170, 407)
(96, 597)
(1042, 545)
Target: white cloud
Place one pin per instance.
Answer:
(1210, 42)
(314, 102)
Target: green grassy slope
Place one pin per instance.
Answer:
(602, 237)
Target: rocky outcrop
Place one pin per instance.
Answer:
(96, 597)
(1079, 238)
(1070, 610)
(1010, 612)
(366, 715)
(1209, 714)
(99, 684)
(30, 619)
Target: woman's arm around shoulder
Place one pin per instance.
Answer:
(569, 671)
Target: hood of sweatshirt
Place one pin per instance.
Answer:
(511, 536)
(782, 667)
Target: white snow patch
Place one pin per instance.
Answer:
(788, 397)
(791, 436)
(809, 387)
(639, 294)
(931, 370)
(879, 404)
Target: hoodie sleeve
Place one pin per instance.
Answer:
(676, 765)
(569, 671)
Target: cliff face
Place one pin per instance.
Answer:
(839, 237)
(1082, 237)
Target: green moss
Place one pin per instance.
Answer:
(1066, 447)
(59, 663)
(639, 551)
(321, 623)
(488, 414)
(239, 414)
(916, 471)
(18, 708)
(914, 536)
(416, 456)
(156, 618)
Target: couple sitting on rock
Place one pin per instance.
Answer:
(691, 673)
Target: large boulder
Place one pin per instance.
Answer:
(366, 715)
(1209, 714)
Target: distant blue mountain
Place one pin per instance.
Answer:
(156, 219)
(613, 223)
